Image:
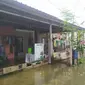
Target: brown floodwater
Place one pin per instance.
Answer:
(57, 74)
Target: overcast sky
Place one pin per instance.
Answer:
(53, 7)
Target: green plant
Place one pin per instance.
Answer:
(69, 21)
(80, 46)
(81, 60)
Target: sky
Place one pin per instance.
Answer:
(54, 7)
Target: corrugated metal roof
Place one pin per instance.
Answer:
(28, 9)
(24, 10)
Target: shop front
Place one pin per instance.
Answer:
(24, 33)
(14, 44)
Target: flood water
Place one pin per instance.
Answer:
(47, 75)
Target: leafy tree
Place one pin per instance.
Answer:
(69, 25)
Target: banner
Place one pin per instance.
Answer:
(39, 51)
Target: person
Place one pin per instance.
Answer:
(75, 56)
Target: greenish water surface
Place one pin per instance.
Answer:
(57, 74)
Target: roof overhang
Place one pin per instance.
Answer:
(15, 12)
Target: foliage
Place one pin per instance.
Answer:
(68, 16)
(80, 47)
(69, 21)
(81, 60)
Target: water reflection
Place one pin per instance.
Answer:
(47, 75)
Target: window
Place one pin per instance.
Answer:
(19, 44)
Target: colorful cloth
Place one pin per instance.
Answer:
(75, 54)
(55, 45)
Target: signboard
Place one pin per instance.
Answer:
(39, 51)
